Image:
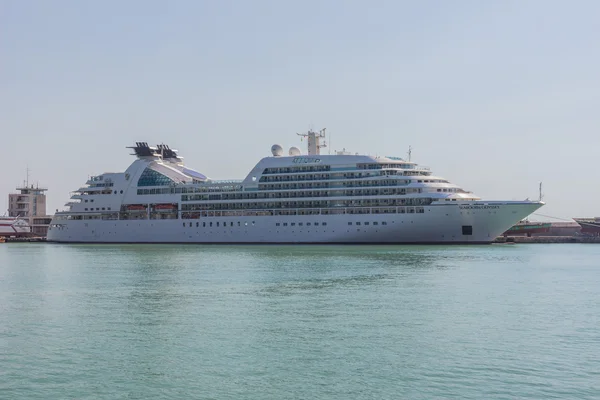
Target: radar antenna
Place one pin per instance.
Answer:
(314, 141)
(409, 153)
(541, 194)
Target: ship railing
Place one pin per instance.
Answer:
(221, 181)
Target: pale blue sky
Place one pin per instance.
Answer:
(494, 95)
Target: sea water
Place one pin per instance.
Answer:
(299, 322)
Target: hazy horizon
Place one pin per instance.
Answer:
(494, 96)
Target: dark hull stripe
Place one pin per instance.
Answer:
(277, 243)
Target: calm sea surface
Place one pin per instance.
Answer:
(299, 322)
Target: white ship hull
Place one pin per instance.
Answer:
(444, 223)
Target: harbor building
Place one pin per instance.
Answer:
(30, 205)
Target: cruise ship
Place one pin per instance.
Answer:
(293, 198)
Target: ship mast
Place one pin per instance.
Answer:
(314, 141)
(541, 194)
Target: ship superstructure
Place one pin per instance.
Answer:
(293, 198)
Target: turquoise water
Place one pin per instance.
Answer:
(303, 322)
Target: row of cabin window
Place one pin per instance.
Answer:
(300, 224)
(102, 185)
(334, 176)
(210, 224)
(321, 168)
(367, 223)
(433, 181)
(292, 195)
(415, 201)
(364, 191)
(91, 194)
(98, 209)
(177, 190)
(284, 170)
(385, 166)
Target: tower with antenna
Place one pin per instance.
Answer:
(541, 194)
(409, 153)
(29, 203)
(314, 141)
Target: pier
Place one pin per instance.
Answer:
(25, 239)
(548, 239)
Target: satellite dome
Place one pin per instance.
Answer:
(277, 150)
(294, 151)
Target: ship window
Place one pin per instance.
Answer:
(184, 224)
(375, 223)
(121, 192)
(324, 223)
(86, 201)
(300, 224)
(285, 224)
(153, 178)
(197, 224)
(366, 223)
(277, 224)
(210, 224)
(231, 223)
(316, 224)
(103, 208)
(349, 223)
(358, 223)
(86, 209)
(293, 224)
(190, 224)
(467, 229)
(204, 224)
(217, 223)
(92, 200)
(239, 223)
(384, 223)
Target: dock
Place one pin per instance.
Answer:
(548, 239)
(25, 239)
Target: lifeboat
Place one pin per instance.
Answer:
(136, 207)
(165, 207)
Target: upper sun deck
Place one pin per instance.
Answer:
(160, 165)
(338, 162)
(362, 165)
